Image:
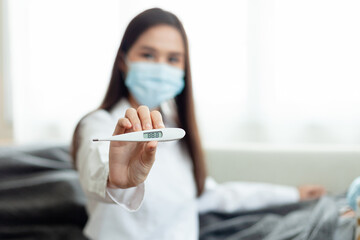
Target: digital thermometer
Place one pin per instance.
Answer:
(160, 135)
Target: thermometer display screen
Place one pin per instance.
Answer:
(158, 134)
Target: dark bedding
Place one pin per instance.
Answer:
(41, 198)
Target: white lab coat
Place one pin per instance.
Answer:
(165, 206)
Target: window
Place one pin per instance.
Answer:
(272, 72)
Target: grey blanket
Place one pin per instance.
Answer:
(312, 220)
(40, 198)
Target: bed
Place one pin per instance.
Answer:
(40, 198)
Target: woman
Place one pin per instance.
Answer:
(151, 190)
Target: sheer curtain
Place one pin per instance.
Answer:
(304, 59)
(264, 71)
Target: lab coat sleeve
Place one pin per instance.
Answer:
(93, 163)
(233, 196)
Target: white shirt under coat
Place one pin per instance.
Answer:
(165, 206)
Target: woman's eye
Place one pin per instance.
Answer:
(148, 56)
(173, 59)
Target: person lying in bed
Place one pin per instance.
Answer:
(156, 191)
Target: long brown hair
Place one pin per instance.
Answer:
(184, 101)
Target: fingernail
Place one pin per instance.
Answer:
(147, 126)
(137, 126)
(161, 125)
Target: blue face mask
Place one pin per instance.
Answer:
(154, 83)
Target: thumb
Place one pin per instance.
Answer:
(149, 153)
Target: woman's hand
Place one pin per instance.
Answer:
(308, 192)
(130, 162)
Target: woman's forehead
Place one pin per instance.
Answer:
(163, 38)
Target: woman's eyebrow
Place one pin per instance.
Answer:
(148, 48)
(176, 54)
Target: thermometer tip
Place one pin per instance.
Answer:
(95, 140)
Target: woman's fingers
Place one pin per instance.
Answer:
(122, 125)
(140, 118)
(133, 117)
(157, 119)
(145, 119)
